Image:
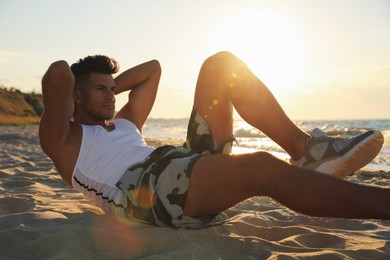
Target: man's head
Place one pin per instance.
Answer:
(94, 90)
(92, 64)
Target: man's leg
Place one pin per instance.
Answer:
(225, 81)
(220, 181)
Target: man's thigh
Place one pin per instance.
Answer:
(220, 181)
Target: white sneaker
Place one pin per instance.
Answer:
(339, 156)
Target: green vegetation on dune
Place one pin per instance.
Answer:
(17, 107)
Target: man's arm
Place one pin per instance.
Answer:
(142, 81)
(57, 90)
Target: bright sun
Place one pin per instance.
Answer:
(272, 46)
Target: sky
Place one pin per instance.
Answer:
(322, 59)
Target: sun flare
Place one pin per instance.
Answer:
(271, 44)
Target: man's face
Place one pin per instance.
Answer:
(97, 98)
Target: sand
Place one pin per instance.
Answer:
(41, 217)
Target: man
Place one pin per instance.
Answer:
(109, 162)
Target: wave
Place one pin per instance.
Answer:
(386, 134)
(243, 132)
(249, 137)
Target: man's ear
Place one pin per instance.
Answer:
(77, 96)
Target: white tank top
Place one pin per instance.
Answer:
(103, 158)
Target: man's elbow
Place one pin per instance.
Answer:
(156, 66)
(58, 67)
(58, 71)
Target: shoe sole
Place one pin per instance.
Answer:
(354, 159)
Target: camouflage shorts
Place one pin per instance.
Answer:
(200, 139)
(156, 188)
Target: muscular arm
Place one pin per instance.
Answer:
(142, 81)
(57, 89)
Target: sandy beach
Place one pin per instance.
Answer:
(41, 217)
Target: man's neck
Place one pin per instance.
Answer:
(91, 121)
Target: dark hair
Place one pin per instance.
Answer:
(97, 63)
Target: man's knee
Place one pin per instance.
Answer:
(222, 56)
(260, 162)
(267, 170)
(264, 159)
(222, 61)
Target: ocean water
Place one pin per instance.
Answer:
(250, 139)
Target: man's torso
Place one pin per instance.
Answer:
(91, 148)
